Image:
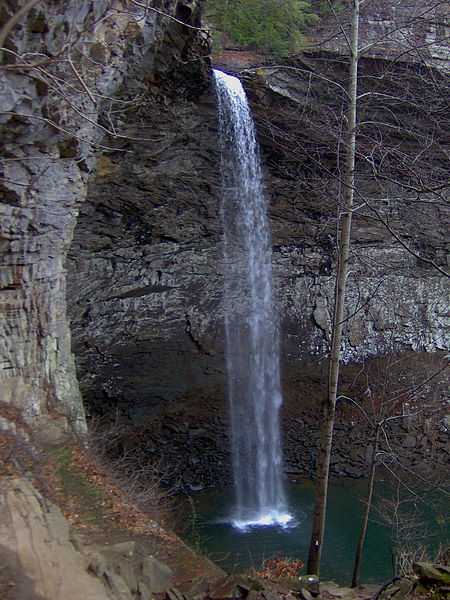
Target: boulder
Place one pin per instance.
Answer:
(159, 575)
(37, 536)
(232, 586)
(432, 574)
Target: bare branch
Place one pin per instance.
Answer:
(9, 25)
(401, 242)
(166, 15)
(67, 132)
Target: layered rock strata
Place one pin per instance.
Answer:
(118, 123)
(146, 264)
(189, 440)
(62, 66)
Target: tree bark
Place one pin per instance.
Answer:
(329, 406)
(363, 529)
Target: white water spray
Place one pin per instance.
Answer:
(251, 328)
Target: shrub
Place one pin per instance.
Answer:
(273, 26)
(130, 470)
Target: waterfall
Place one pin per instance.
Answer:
(251, 327)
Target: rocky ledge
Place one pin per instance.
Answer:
(188, 439)
(45, 558)
(145, 268)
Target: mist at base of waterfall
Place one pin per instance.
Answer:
(264, 518)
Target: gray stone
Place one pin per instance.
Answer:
(45, 181)
(409, 441)
(195, 588)
(174, 594)
(432, 573)
(159, 575)
(232, 586)
(309, 583)
(125, 548)
(38, 534)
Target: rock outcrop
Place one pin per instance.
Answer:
(398, 284)
(427, 581)
(62, 66)
(36, 542)
(112, 141)
(419, 27)
(145, 268)
(188, 440)
(45, 558)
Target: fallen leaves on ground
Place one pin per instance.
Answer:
(280, 567)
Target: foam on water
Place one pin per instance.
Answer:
(269, 519)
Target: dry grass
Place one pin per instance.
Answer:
(90, 489)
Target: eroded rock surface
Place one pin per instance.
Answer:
(145, 269)
(63, 64)
(44, 558)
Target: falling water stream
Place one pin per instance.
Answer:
(251, 328)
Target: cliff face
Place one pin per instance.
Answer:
(110, 182)
(145, 268)
(398, 286)
(416, 30)
(115, 120)
(62, 66)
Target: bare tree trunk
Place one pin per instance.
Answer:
(329, 406)
(365, 519)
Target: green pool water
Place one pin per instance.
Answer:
(234, 550)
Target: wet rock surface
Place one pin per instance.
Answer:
(145, 266)
(189, 438)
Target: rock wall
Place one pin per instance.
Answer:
(418, 29)
(189, 441)
(145, 268)
(114, 119)
(398, 283)
(62, 65)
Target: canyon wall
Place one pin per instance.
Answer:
(110, 159)
(145, 266)
(62, 66)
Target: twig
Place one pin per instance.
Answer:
(69, 133)
(385, 586)
(15, 19)
(163, 14)
(81, 80)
